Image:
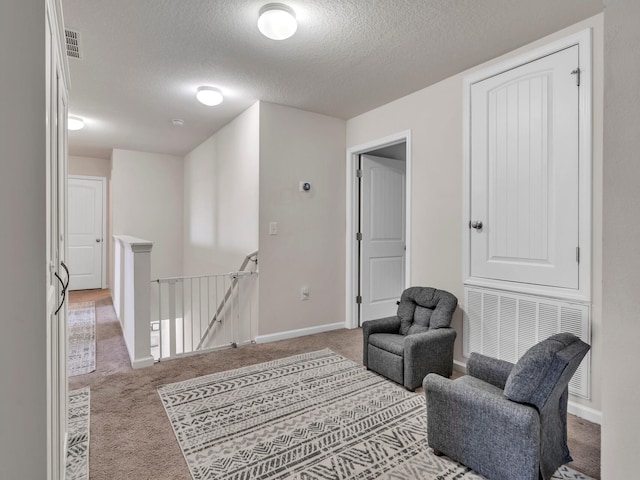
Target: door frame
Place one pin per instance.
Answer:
(583, 40)
(103, 181)
(352, 309)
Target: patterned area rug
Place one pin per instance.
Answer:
(77, 467)
(311, 416)
(81, 330)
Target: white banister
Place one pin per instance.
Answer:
(132, 295)
(172, 317)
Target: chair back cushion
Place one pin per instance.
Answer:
(539, 370)
(424, 308)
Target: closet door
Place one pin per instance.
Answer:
(56, 276)
(524, 221)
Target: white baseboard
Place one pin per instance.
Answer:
(590, 414)
(582, 411)
(136, 363)
(458, 366)
(274, 337)
(142, 362)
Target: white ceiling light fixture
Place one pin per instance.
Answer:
(209, 96)
(75, 123)
(277, 21)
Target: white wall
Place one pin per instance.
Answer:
(147, 202)
(90, 166)
(221, 197)
(23, 344)
(621, 255)
(97, 167)
(434, 115)
(309, 248)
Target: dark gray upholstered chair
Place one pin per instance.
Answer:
(417, 341)
(507, 422)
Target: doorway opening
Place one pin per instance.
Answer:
(378, 227)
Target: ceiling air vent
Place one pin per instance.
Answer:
(73, 43)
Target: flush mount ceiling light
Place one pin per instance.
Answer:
(209, 96)
(75, 123)
(277, 21)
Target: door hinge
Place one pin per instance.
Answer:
(576, 72)
(359, 236)
(359, 173)
(578, 254)
(359, 299)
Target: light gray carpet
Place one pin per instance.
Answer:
(81, 331)
(77, 467)
(314, 416)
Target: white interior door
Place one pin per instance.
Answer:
(56, 278)
(383, 236)
(86, 242)
(524, 221)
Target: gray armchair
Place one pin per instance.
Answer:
(415, 342)
(504, 421)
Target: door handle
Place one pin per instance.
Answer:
(477, 224)
(64, 286)
(98, 240)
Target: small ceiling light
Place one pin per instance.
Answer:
(75, 123)
(209, 96)
(178, 122)
(277, 21)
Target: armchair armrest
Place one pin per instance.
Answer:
(428, 352)
(427, 345)
(488, 369)
(475, 424)
(380, 325)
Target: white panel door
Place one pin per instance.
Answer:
(56, 279)
(85, 233)
(524, 173)
(383, 236)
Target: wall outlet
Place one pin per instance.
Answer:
(273, 228)
(304, 293)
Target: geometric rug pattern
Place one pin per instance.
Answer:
(77, 467)
(81, 331)
(314, 416)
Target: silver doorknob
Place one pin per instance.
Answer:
(98, 240)
(477, 224)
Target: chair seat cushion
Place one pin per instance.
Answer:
(538, 370)
(389, 342)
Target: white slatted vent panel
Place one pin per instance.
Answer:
(505, 325)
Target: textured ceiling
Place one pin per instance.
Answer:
(144, 59)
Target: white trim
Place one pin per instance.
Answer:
(351, 308)
(137, 244)
(458, 366)
(142, 362)
(274, 337)
(103, 180)
(590, 414)
(584, 41)
(577, 409)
